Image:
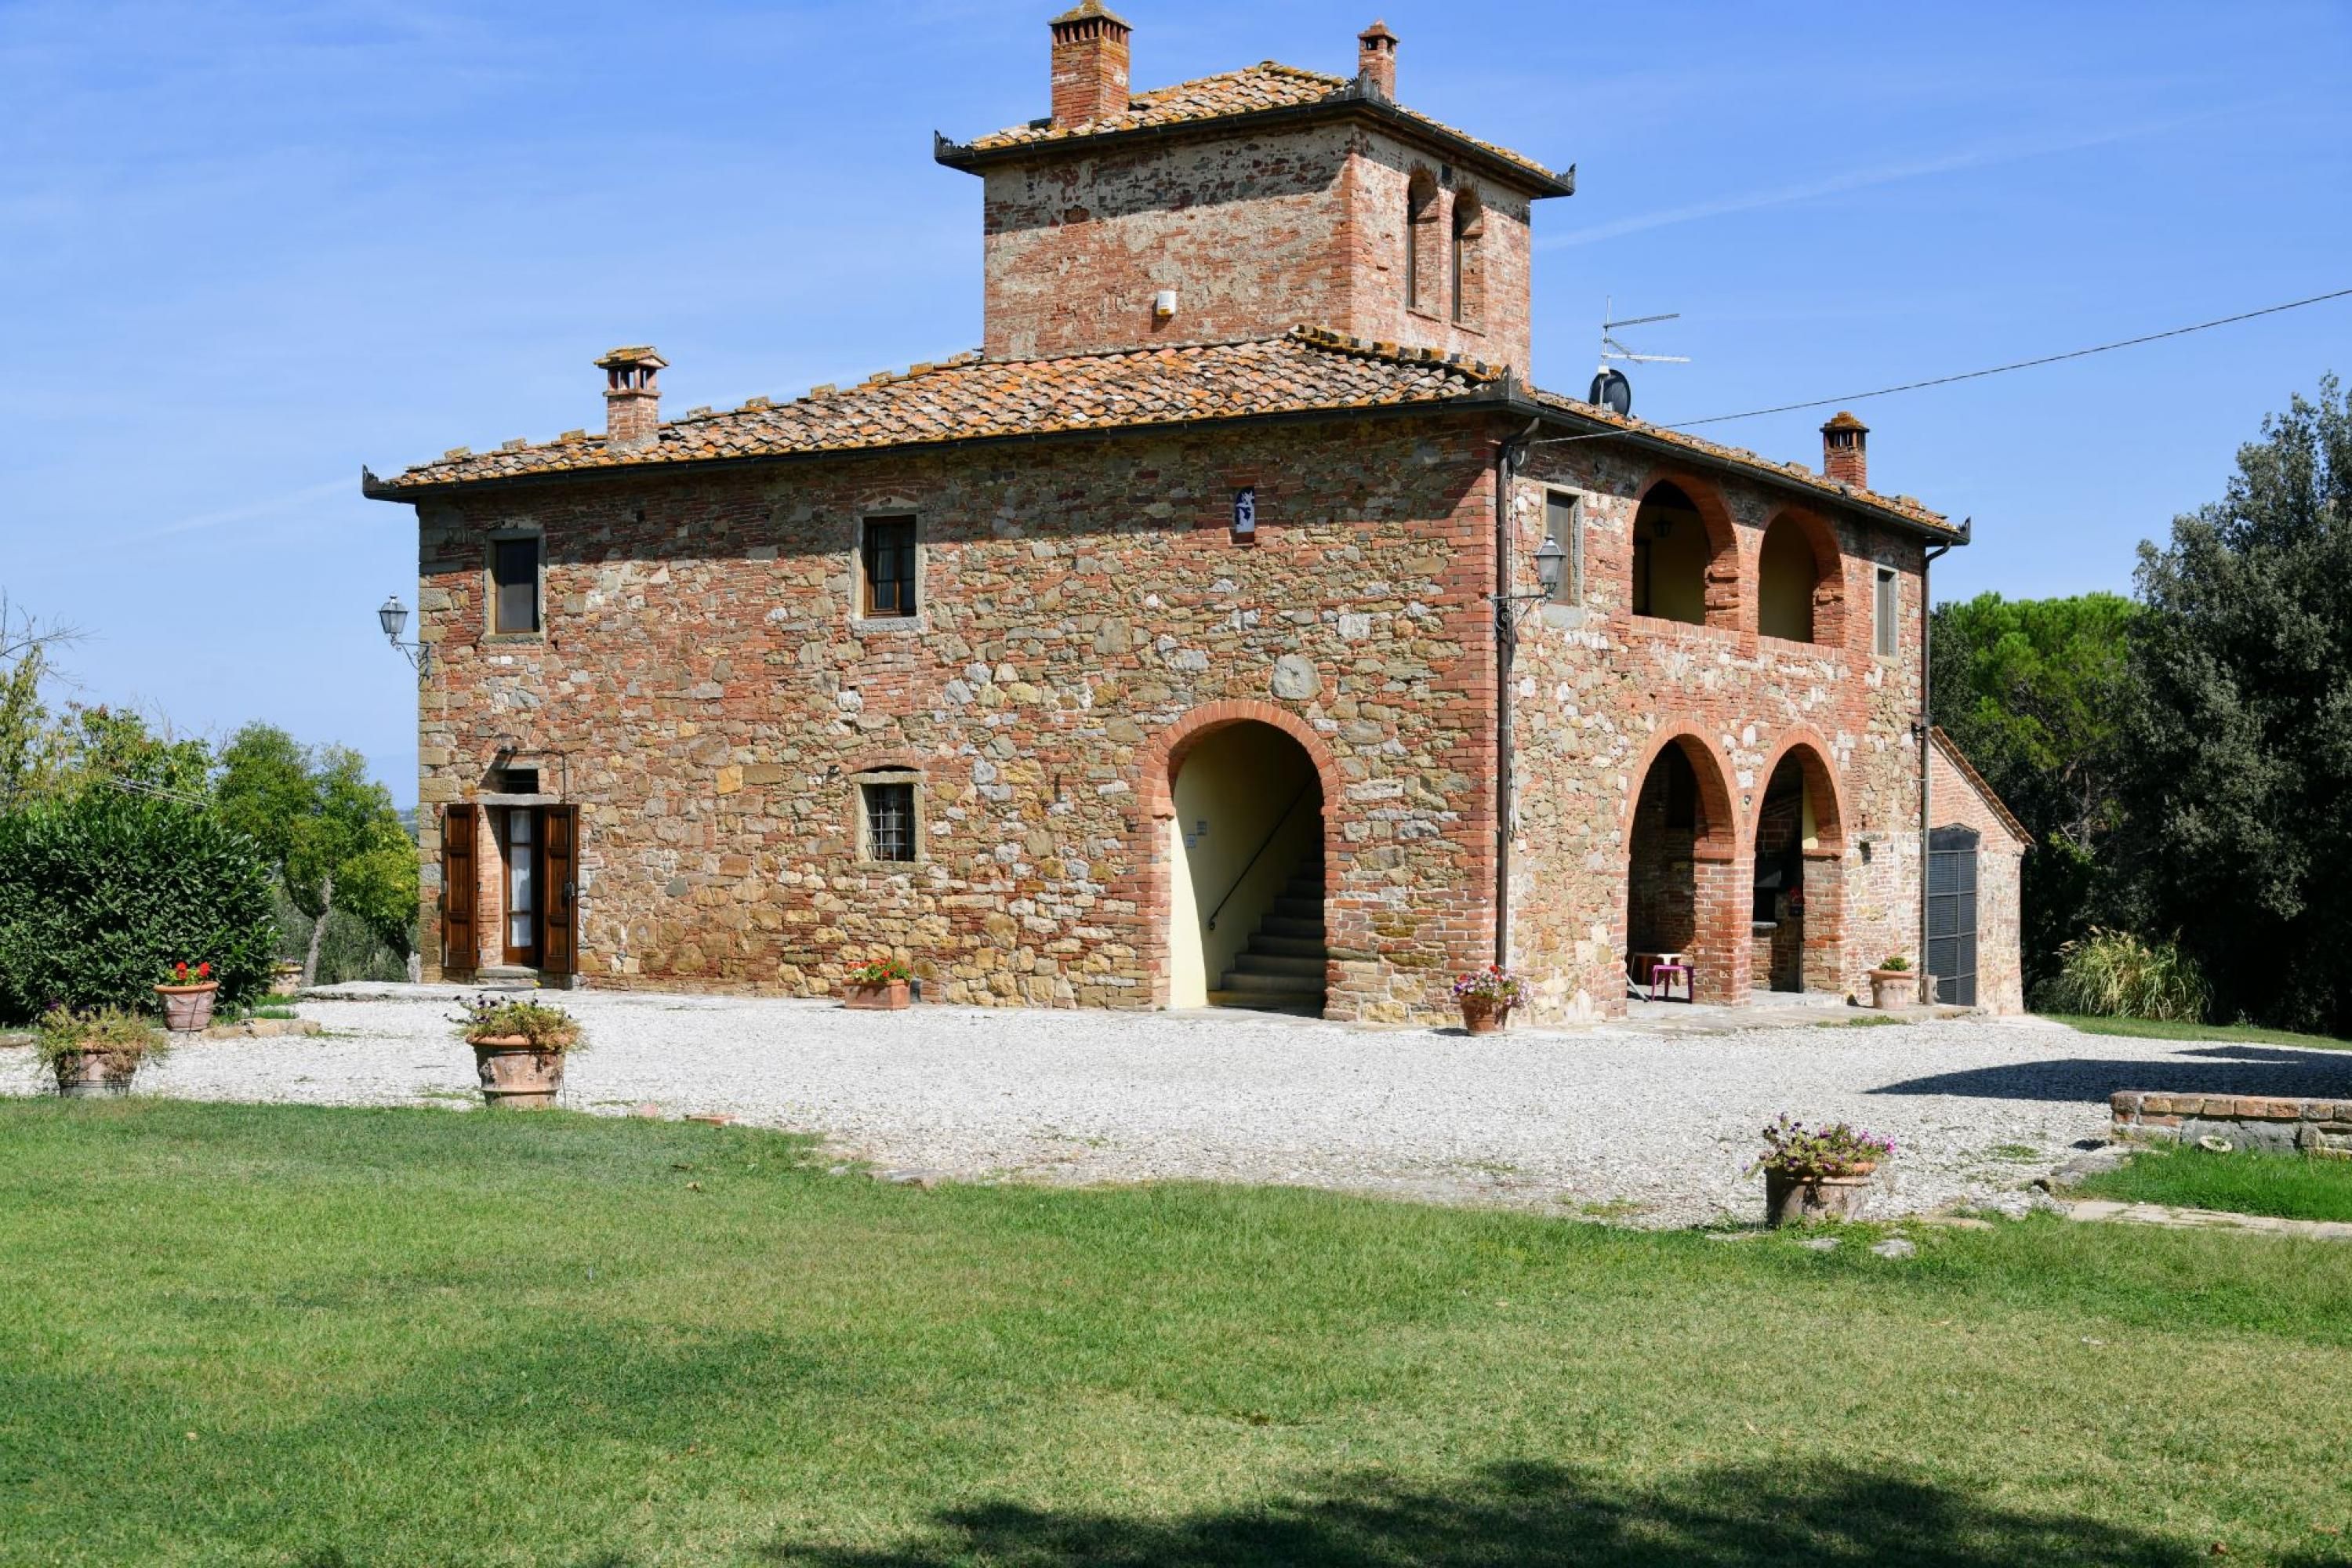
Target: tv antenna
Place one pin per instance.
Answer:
(1610, 390)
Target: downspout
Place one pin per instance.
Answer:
(1926, 746)
(1507, 456)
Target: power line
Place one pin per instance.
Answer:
(1972, 374)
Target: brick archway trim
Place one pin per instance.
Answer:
(1157, 765)
(1812, 753)
(1725, 831)
(1726, 604)
(1829, 592)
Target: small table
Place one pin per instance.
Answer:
(1662, 978)
(1646, 967)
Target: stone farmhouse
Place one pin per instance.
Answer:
(1238, 624)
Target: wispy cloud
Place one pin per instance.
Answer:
(248, 511)
(2011, 151)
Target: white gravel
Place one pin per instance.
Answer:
(1616, 1121)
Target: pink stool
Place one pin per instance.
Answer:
(1662, 979)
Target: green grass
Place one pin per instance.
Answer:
(2173, 1029)
(2292, 1186)
(355, 1338)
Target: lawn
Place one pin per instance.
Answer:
(2172, 1029)
(341, 1338)
(2292, 1186)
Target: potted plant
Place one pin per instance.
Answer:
(885, 985)
(518, 1048)
(97, 1052)
(187, 994)
(1487, 997)
(1892, 984)
(1817, 1173)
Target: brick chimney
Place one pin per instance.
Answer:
(1846, 451)
(632, 399)
(1089, 64)
(1376, 49)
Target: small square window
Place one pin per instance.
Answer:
(1564, 521)
(1886, 612)
(514, 584)
(888, 554)
(890, 819)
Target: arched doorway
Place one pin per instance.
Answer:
(1682, 886)
(1798, 905)
(1243, 846)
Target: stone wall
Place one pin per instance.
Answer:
(705, 692)
(1599, 691)
(2249, 1123)
(1256, 235)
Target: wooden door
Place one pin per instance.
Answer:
(520, 879)
(460, 952)
(560, 920)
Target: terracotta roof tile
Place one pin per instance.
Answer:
(1304, 371)
(1268, 85)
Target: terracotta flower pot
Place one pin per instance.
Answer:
(1804, 1200)
(517, 1074)
(81, 1074)
(890, 996)
(1482, 1017)
(187, 1009)
(1893, 988)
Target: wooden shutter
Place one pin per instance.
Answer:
(559, 948)
(460, 953)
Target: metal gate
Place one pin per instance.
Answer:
(1952, 914)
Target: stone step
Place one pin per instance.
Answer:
(1302, 1003)
(1292, 925)
(1301, 887)
(1302, 967)
(1241, 980)
(1298, 909)
(1290, 946)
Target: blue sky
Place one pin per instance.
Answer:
(246, 247)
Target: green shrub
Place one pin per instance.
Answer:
(100, 893)
(2115, 975)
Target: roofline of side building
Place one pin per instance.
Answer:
(1355, 99)
(1507, 399)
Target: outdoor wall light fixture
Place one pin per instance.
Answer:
(393, 617)
(1551, 564)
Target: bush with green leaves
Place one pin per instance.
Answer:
(102, 892)
(2115, 975)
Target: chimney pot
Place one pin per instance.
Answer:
(1089, 64)
(1376, 52)
(1846, 451)
(632, 399)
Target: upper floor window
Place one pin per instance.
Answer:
(888, 561)
(1420, 241)
(1469, 260)
(514, 585)
(1885, 613)
(1670, 556)
(1787, 573)
(1564, 521)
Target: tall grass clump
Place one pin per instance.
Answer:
(2115, 974)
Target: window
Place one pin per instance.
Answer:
(519, 781)
(1670, 553)
(1886, 612)
(1788, 580)
(889, 564)
(1469, 260)
(890, 818)
(1420, 236)
(514, 585)
(1564, 521)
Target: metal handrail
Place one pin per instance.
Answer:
(1279, 823)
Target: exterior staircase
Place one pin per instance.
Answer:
(1282, 969)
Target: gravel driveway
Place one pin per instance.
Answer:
(1614, 1121)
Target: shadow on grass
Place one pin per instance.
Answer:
(1725, 1518)
(2260, 1070)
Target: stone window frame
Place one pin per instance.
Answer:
(1466, 261)
(1570, 594)
(490, 542)
(916, 624)
(861, 820)
(1886, 612)
(1424, 243)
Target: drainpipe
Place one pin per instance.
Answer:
(1508, 457)
(1926, 746)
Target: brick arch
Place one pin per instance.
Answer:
(1159, 761)
(1813, 755)
(1721, 876)
(1830, 620)
(1726, 605)
(1424, 226)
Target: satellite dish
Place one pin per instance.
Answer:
(1611, 391)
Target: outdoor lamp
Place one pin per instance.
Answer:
(1552, 561)
(392, 617)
